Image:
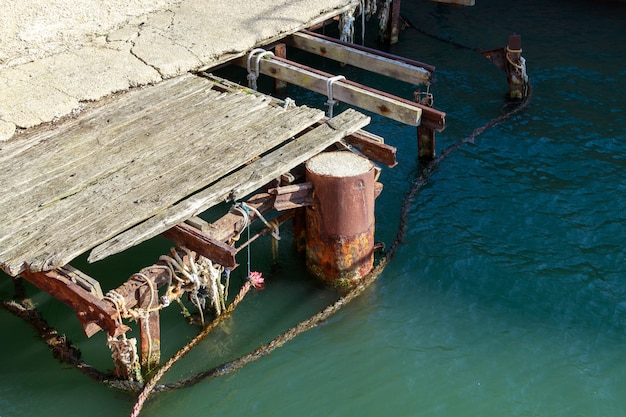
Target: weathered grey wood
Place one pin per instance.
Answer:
(240, 183)
(55, 168)
(359, 57)
(101, 174)
(365, 98)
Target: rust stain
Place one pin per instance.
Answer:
(383, 109)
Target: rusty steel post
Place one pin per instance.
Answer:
(425, 143)
(516, 68)
(510, 60)
(149, 329)
(280, 86)
(299, 229)
(340, 223)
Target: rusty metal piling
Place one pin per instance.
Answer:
(340, 223)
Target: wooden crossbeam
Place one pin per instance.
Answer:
(352, 93)
(372, 148)
(240, 183)
(393, 66)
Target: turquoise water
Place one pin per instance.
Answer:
(508, 296)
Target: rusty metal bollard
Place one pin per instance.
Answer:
(340, 223)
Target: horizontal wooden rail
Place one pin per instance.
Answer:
(393, 66)
(354, 94)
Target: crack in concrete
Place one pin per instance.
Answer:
(139, 58)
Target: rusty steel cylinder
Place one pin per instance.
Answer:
(340, 223)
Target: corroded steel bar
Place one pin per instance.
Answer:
(425, 143)
(232, 224)
(280, 86)
(198, 241)
(93, 313)
(340, 224)
(150, 329)
(509, 59)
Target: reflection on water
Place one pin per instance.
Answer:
(507, 298)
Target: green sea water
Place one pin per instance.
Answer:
(508, 296)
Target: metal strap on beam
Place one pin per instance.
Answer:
(393, 66)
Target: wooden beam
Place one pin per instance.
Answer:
(359, 56)
(199, 242)
(352, 93)
(373, 149)
(239, 183)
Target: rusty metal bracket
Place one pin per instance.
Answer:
(293, 196)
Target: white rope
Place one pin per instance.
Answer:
(383, 17)
(275, 233)
(253, 75)
(363, 22)
(329, 92)
(346, 24)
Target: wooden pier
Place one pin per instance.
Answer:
(148, 161)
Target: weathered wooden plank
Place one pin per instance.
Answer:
(352, 93)
(103, 155)
(240, 183)
(361, 57)
(183, 155)
(373, 149)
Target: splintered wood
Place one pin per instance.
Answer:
(74, 186)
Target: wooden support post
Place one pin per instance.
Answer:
(340, 224)
(280, 86)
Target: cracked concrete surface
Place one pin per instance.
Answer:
(57, 55)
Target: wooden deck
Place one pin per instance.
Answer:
(121, 173)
